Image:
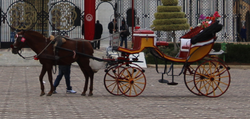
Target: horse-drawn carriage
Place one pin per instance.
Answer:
(209, 77)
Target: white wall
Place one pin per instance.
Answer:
(105, 14)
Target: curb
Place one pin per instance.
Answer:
(180, 66)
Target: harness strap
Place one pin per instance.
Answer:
(74, 56)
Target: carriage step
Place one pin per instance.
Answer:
(166, 81)
(163, 81)
(173, 83)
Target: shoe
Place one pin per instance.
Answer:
(54, 92)
(71, 91)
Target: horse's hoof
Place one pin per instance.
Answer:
(91, 94)
(49, 94)
(42, 94)
(83, 94)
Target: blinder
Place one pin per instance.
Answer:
(19, 38)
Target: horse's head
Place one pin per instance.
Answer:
(19, 43)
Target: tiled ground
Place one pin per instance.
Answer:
(20, 89)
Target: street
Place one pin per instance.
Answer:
(20, 90)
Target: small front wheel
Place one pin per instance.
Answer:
(132, 81)
(111, 80)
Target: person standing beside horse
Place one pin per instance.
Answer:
(98, 34)
(64, 70)
(124, 33)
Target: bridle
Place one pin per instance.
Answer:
(22, 39)
(19, 38)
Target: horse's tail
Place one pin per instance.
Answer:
(96, 65)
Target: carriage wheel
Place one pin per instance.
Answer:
(132, 81)
(111, 80)
(212, 78)
(189, 79)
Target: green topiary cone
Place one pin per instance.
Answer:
(169, 17)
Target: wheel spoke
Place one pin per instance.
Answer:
(218, 87)
(114, 83)
(138, 78)
(135, 89)
(135, 81)
(222, 82)
(111, 75)
(138, 86)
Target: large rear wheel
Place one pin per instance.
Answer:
(212, 78)
(189, 79)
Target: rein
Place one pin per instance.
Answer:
(28, 58)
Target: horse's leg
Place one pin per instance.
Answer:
(86, 83)
(43, 71)
(91, 82)
(86, 77)
(88, 73)
(49, 72)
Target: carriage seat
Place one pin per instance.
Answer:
(184, 47)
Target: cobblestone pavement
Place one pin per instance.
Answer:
(20, 89)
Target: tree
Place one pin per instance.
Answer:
(170, 18)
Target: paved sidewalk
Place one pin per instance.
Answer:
(20, 89)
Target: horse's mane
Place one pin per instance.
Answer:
(35, 34)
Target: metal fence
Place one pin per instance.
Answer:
(233, 13)
(63, 17)
(49, 17)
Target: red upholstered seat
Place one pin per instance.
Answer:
(185, 47)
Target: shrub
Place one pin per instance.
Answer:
(236, 53)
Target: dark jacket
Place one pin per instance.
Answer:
(111, 27)
(123, 28)
(98, 31)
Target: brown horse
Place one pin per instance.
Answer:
(48, 56)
